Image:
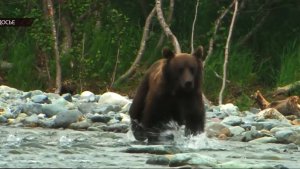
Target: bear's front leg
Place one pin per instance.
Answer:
(194, 119)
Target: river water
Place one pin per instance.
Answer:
(66, 148)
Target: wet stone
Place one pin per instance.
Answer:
(80, 125)
(64, 119)
(111, 98)
(40, 98)
(284, 136)
(236, 130)
(3, 119)
(32, 108)
(153, 149)
(87, 108)
(67, 96)
(53, 109)
(31, 121)
(106, 108)
(194, 159)
(46, 122)
(232, 120)
(158, 160)
(88, 96)
(117, 127)
(217, 129)
(101, 118)
(264, 140)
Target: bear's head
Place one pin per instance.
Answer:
(183, 71)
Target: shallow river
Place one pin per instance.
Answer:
(38, 147)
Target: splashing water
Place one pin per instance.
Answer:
(13, 141)
(64, 141)
(200, 141)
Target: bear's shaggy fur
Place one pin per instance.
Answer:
(170, 90)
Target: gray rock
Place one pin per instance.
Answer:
(125, 109)
(153, 149)
(117, 128)
(232, 120)
(246, 126)
(158, 160)
(264, 140)
(46, 122)
(87, 108)
(223, 111)
(40, 98)
(87, 96)
(101, 118)
(271, 113)
(81, 125)
(6, 89)
(111, 98)
(285, 136)
(3, 119)
(32, 108)
(105, 108)
(194, 159)
(251, 135)
(53, 109)
(217, 129)
(268, 124)
(8, 114)
(249, 118)
(26, 95)
(67, 96)
(64, 119)
(236, 130)
(31, 121)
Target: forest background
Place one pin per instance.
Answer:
(98, 40)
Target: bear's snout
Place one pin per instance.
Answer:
(187, 81)
(188, 85)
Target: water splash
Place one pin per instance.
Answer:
(12, 141)
(65, 141)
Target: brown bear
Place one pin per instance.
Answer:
(170, 90)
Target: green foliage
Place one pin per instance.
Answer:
(103, 30)
(23, 75)
(290, 61)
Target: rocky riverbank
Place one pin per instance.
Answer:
(41, 129)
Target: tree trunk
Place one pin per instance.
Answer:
(138, 58)
(169, 19)
(212, 39)
(193, 26)
(55, 45)
(67, 39)
(227, 52)
(165, 27)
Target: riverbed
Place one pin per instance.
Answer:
(66, 148)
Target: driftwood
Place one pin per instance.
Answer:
(260, 100)
(286, 107)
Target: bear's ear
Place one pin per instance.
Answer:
(199, 53)
(167, 53)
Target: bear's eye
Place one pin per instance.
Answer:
(181, 69)
(192, 70)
